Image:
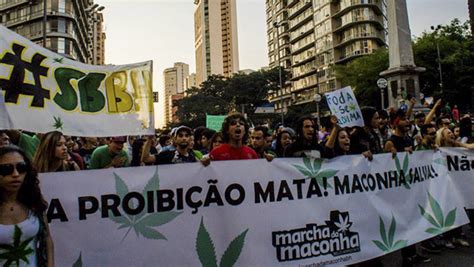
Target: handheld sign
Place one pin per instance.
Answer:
(344, 106)
(214, 122)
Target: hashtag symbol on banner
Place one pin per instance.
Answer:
(16, 86)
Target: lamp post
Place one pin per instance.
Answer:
(277, 26)
(45, 20)
(439, 56)
(317, 99)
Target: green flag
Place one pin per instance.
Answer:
(214, 122)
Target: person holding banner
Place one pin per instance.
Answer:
(111, 155)
(22, 213)
(52, 154)
(365, 140)
(235, 134)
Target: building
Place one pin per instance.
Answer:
(68, 28)
(191, 81)
(216, 42)
(313, 35)
(174, 84)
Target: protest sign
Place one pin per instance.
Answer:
(344, 106)
(286, 212)
(42, 91)
(214, 122)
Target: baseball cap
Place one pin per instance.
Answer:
(178, 129)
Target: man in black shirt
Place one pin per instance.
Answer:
(306, 144)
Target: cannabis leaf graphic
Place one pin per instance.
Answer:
(388, 245)
(352, 107)
(314, 171)
(58, 123)
(440, 161)
(78, 262)
(58, 60)
(141, 224)
(207, 253)
(17, 252)
(440, 223)
(405, 170)
(343, 223)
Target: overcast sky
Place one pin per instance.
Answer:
(163, 31)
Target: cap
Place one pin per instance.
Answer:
(178, 129)
(119, 139)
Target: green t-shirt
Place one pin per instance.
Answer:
(29, 144)
(101, 158)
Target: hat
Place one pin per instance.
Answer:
(176, 130)
(119, 139)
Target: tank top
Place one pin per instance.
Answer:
(22, 238)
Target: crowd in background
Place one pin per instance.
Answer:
(384, 131)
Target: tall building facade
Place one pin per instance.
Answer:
(313, 35)
(216, 41)
(68, 28)
(174, 84)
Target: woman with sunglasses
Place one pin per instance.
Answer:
(24, 233)
(52, 154)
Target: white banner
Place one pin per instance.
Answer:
(344, 106)
(289, 212)
(41, 91)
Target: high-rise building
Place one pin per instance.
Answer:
(313, 35)
(191, 81)
(174, 84)
(216, 42)
(67, 28)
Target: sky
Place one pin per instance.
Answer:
(163, 31)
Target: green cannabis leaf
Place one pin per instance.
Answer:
(141, 223)
(207, 253)
(440, 223)
(408, 177)
(440, 161)
(58, 123)
(387, 244)
(313, 171)
(17, 252)
(59, 60)
(78, 262)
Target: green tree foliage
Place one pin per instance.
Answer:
(456, 46)
(362, 74)
(219, 96)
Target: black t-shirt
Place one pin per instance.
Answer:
(400, 143)
(173, 156)
(302, 148)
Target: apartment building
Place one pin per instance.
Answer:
(313, 35)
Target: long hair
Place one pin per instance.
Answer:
(45, 159)
(29, 193)
(440, 140)
(299, 128)
(226, 126)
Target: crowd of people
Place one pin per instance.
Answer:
(24, 155)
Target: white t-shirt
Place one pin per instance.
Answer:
(27, 237)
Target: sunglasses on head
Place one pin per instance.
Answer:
(7, 169)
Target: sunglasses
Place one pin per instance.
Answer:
(7, 169)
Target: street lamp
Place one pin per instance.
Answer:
(317, 98)
(277, 26)
(439, 56)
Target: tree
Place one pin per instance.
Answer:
(219, 96)
(362, 75)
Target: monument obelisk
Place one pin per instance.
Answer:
(402, 73)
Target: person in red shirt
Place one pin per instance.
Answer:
(235, 134)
